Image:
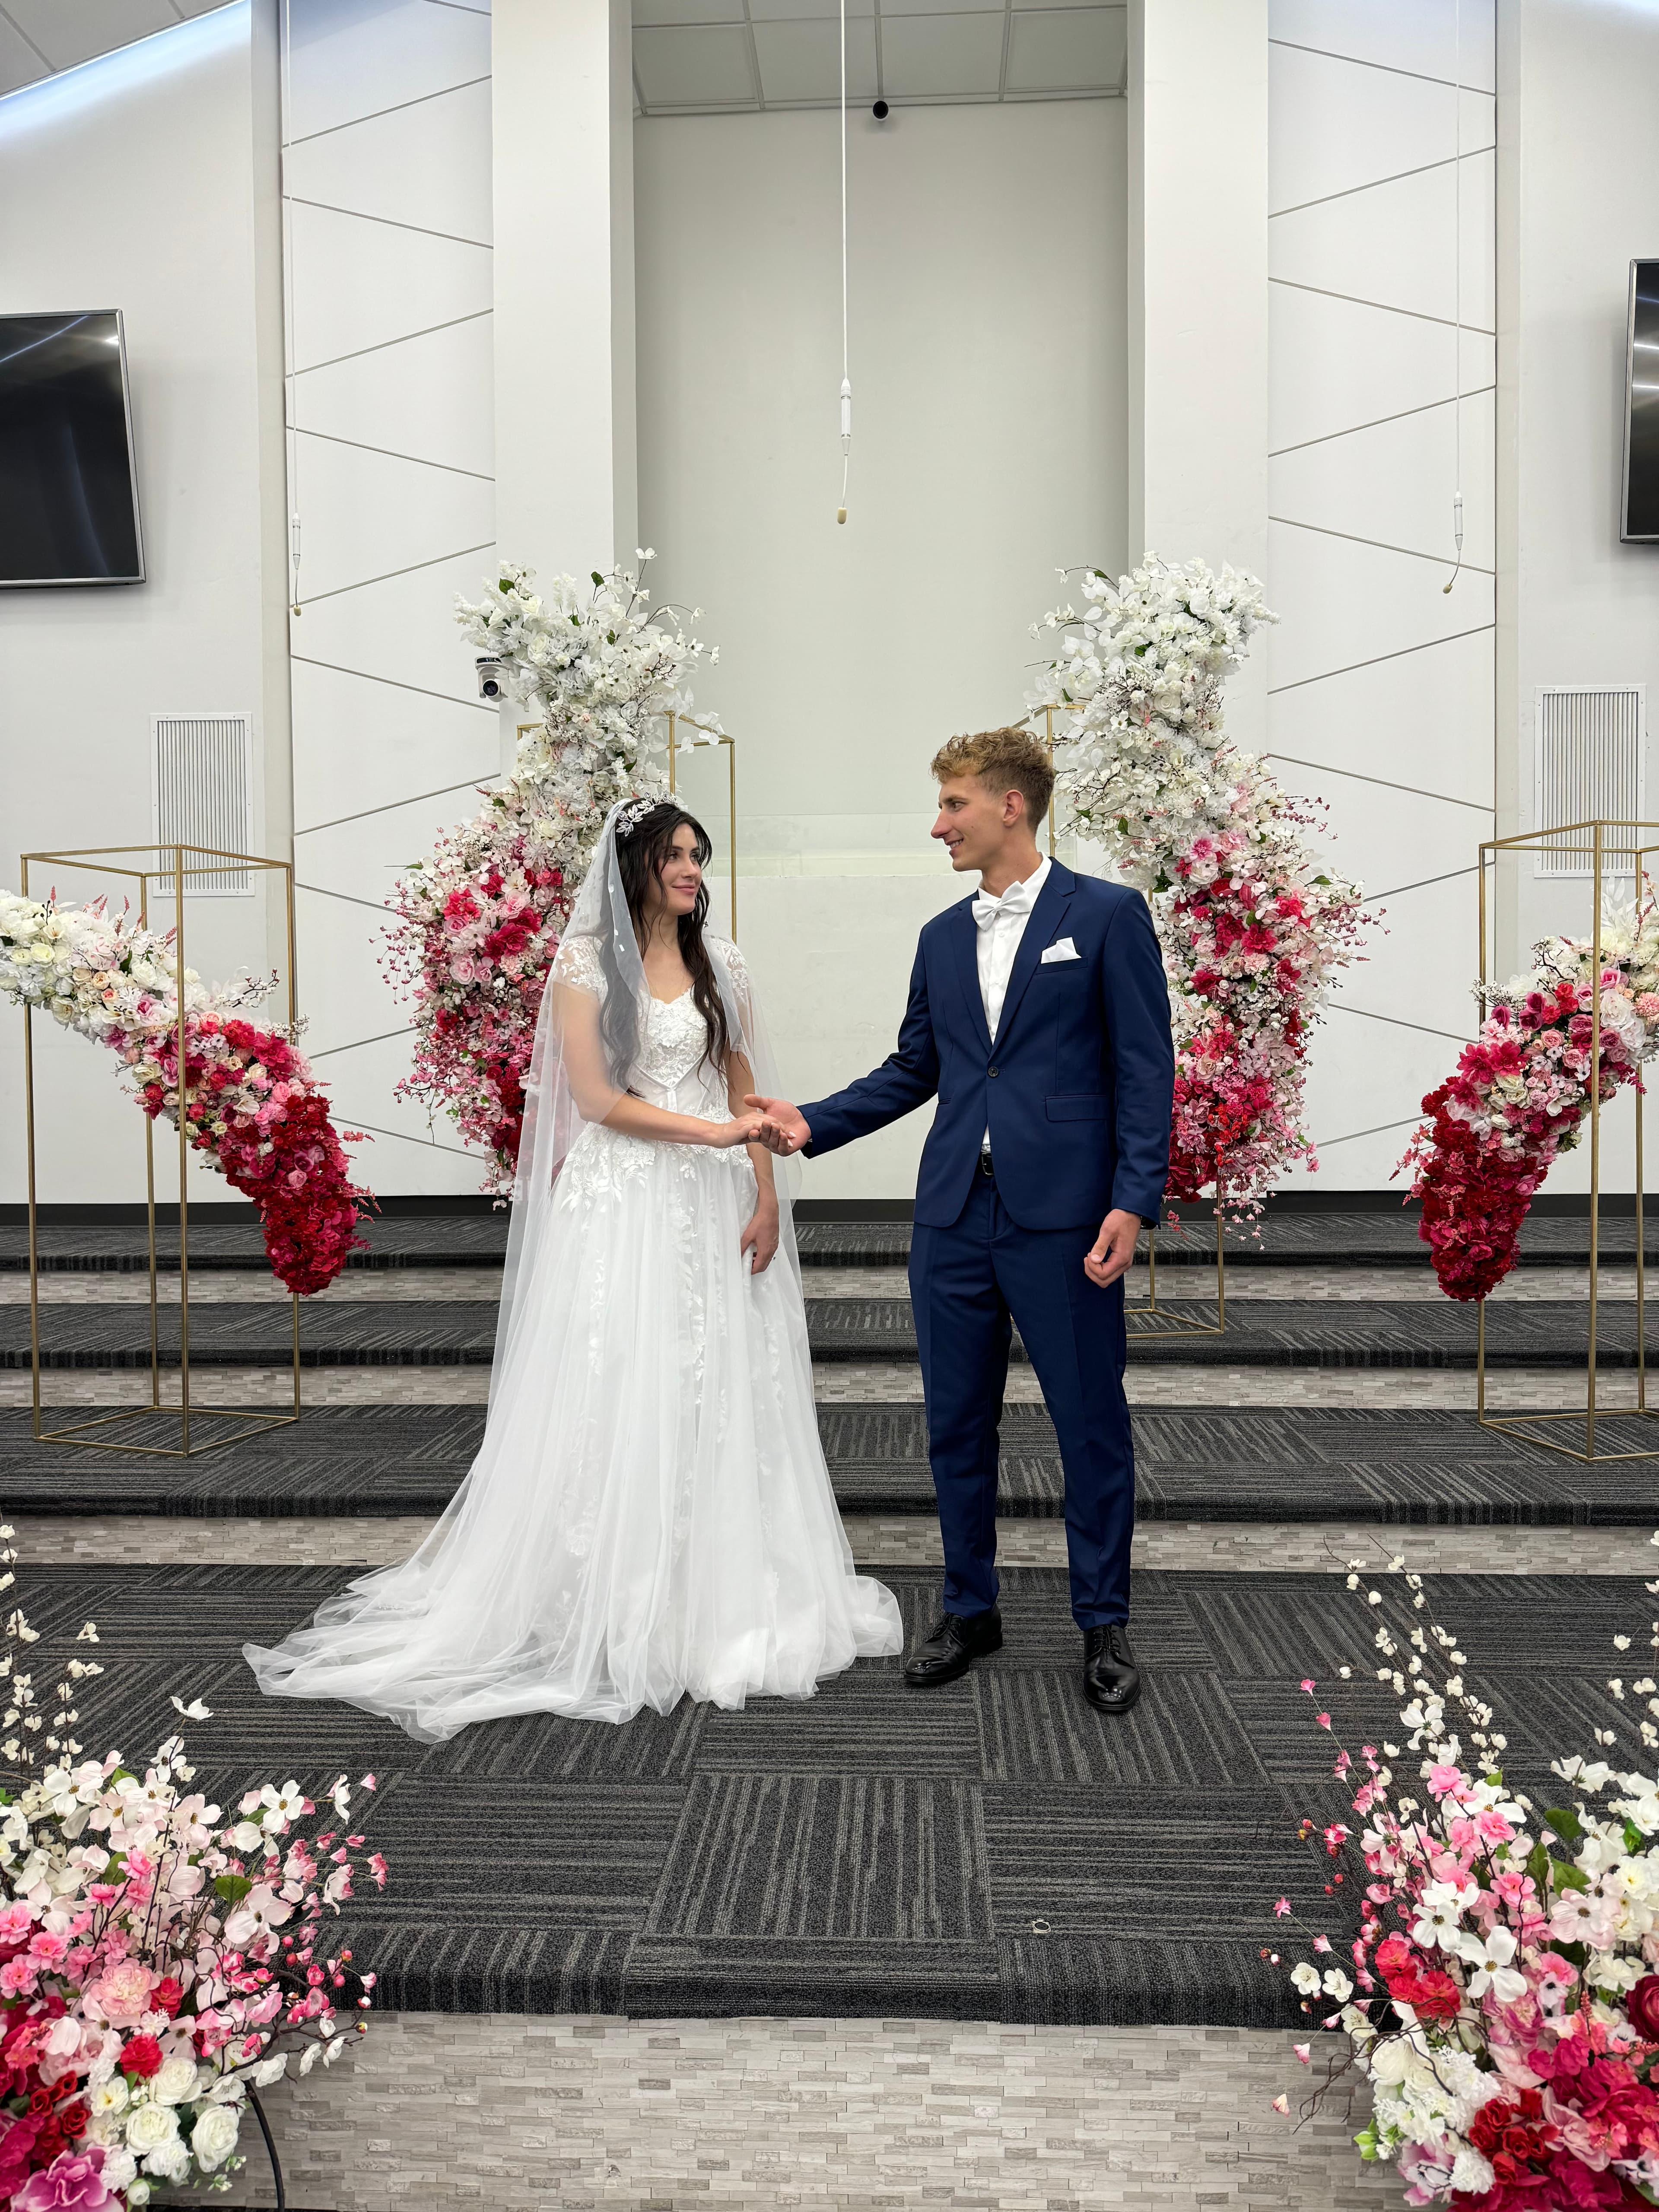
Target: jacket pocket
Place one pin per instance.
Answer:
(1077, 1109)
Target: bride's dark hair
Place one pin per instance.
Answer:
(641, 852)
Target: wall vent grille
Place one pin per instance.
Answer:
(204, 782)
(1589, 767)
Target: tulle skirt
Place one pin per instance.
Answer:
(649, 1517)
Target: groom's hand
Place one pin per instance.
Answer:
(784, 1131)
(1115, 1247)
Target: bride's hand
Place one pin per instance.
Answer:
(760, 1236)
(745, 1130)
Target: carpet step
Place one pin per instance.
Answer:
(1302, 1464)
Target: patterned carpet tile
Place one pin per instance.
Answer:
(994, 1849)
(1412, 1469)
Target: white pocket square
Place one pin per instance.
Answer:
(1061, 949)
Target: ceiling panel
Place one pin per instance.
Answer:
(800, 62)
(65, 35)
(943, 57)
(1065, 50)
(19, 64)
(687, 53)
(678, 66)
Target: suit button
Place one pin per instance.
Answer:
(993, 1071)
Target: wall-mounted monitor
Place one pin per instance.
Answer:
(68, 493)
(1638, 520)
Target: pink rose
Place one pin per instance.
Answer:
(48, 1949)
(17, 1978)
(124, 1992)
(74, 2182)
(16, 1922)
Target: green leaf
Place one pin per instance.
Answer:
(1566, 1825)
(1635, 1842)
(232, 1888)
(1538, 1866)
(1571, 1877)
(598, 579)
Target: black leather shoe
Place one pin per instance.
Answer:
(1111, 1680)
(958, 1640)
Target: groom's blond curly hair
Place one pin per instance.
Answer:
(1004, 760)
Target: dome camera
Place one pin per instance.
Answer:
(881, 111)
(491, 679)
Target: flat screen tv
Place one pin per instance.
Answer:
(1639, 523)
(68, 496)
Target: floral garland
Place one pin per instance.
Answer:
(1252, 934)
(1504, 2002)
(478, 922)
(157, 1960)
(1522, 1089)
(255, 1109)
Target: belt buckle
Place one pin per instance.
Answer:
(985, 1167)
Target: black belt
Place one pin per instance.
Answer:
(986, 1169)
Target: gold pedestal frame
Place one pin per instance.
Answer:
(1177, 1324)
(706, 739)
(1599, 840)
(173, 869)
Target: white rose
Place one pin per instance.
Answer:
(118, 2170)
(1389, 2060)
(171, 2162)
(176, 2081)
(150, 2126)
(214, 2136)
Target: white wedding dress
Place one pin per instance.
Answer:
(650, 1517)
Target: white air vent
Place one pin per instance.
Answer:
(204, 795)
(1588, 758)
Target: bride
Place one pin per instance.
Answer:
(649, 1515)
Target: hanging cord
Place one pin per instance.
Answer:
(1457, 308)
(290, 382)
(846, 383)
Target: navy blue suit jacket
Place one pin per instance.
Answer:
(1077, 1086)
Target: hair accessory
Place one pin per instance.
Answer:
(630, 817)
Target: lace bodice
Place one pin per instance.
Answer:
(670, 1070)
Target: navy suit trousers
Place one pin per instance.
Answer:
(969, 1283)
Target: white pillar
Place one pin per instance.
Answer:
(1198, 297)
(566, 463)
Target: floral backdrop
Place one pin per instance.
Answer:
(253, 1108)
(1253, 931)
(478, 921)
(1522, 1089)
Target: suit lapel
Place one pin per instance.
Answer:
(1052, 902)
(962, 936)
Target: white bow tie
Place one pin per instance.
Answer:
(1017, 899)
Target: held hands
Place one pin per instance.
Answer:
(782, 1129)
(747, 1129)
(1114, 1247)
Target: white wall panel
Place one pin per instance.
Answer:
(1429, 38)
(359, 282)
(1424, 720)
(1394, 482)
(1395, 244)
(1380, 680)
(427, 165)
(1342, 605)
(427, 396)
(1361, 125)
(360, 745)
(352, 59)
(369, 513)
(391, 287)
(1339, 364)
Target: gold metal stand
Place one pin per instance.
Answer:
(1176, 1319)
(1599, 840)
(675, 723)
(171, 868)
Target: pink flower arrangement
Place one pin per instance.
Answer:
(1252, 933)
(255, 1109)
(158, 1958)
(1500, 1993)
(1520, 1094)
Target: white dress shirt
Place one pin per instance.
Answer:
(1001, 924)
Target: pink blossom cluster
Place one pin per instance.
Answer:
(1518, 1099)
(477, 925)
(1500, 1992)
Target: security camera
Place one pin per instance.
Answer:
(492, 679)
(881, 111)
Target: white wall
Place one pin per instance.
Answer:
(1381, 699)
(392, 461)
(146, 181)
(1579, 169)
(988, 372)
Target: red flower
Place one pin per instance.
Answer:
(168, 1995)
(141, 2055)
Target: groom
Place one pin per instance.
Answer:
(1040, 1019)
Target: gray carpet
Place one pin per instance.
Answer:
(994, 1850)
